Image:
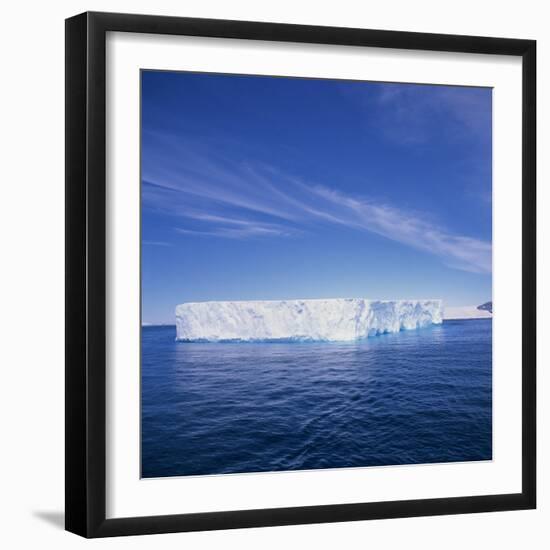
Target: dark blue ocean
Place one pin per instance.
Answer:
(415, 397)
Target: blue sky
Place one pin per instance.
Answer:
(280, 188)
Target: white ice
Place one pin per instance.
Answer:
(465, 312)
(302, 320)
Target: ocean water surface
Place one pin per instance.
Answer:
(415, 397)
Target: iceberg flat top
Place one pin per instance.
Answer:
(344, 319)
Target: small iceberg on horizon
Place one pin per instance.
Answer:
(322, 320)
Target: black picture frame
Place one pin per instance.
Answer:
(86, 279)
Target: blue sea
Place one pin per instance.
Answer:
(415, 397)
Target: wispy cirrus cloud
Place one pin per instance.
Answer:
(234, 228)
(457, 251)
(214, 198)
(415, 114)
(234, 233)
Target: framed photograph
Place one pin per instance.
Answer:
(300, 274)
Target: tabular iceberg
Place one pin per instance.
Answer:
(301, 320)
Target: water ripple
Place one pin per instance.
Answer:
(414, 397)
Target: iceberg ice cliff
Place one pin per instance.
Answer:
(301, 320)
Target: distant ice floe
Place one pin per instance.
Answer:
(467, 312)
(302, 320)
